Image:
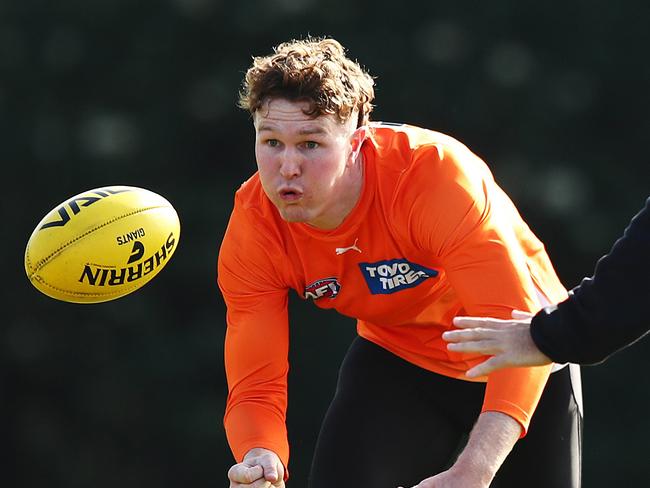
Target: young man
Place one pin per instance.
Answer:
(601, 316)
(403, 229)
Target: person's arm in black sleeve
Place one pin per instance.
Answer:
(607, 311)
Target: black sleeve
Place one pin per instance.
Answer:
(608, 311)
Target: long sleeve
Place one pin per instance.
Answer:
(491, 259)
(607, 312)
(257, 340)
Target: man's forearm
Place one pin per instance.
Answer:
(490, 442)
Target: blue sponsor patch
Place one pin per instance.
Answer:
(384, 277)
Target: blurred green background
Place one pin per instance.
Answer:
(130, 393)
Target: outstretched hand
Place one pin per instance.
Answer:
(261, 468)
(508, 342)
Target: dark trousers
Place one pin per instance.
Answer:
(393, 424)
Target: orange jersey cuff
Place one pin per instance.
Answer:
(252, 425)
(516, 392)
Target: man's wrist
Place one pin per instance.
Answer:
(258, 451)
(474, 469)
(490, 442)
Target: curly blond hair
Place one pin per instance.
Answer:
(315, 70)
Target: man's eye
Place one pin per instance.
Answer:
(311, 145)
(273, 142)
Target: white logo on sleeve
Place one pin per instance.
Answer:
(353, 247)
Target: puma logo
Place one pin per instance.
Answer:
(353, 247)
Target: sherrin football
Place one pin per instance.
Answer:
(102, 244)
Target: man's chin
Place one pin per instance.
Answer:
(293, 216)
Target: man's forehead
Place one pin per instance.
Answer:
(304, 130)
(277, 112)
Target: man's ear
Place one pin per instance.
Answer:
(358, 136)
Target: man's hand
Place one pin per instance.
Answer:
(260, 468)
(508, 342)
(490, 442)
(451, 479)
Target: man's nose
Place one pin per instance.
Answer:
(290, 165)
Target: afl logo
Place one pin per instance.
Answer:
(326, 287)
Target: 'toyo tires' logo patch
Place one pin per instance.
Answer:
(325, 287)
(384, 277)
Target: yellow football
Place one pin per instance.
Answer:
(102, 244)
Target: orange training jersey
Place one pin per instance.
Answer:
(431, 237)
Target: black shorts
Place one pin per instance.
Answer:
(393, 424)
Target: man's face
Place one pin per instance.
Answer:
(305, 163)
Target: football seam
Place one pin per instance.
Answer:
(41, 264)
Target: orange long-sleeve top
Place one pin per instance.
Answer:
(431, 237)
